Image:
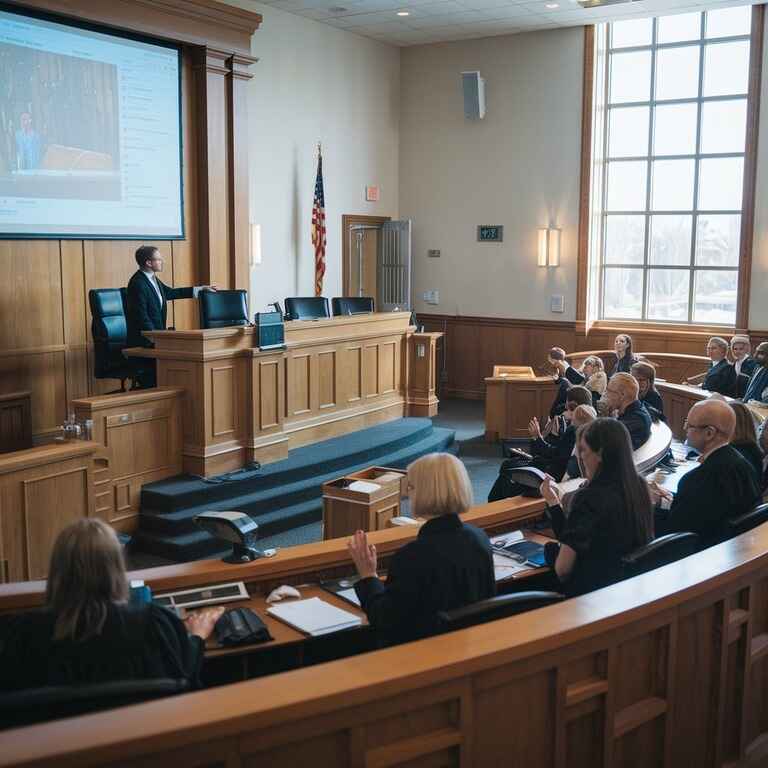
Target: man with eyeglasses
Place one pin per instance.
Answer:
(722, 487)
(757, 389)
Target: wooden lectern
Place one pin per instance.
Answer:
(513, 396)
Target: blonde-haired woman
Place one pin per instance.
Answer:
(448, 565)
(593, 371)
(89, 632)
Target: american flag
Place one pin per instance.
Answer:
(318, 226)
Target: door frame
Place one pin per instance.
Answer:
(349, 220)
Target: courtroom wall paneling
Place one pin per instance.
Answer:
(77, 320)
(473, 345)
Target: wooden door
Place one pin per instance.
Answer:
(360, 245)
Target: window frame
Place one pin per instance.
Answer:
(743, 268)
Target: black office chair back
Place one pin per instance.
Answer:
(749, 520)
(661, 551)
(223, 309)
(36, 705)
(352, 305)
(110, 332)
(307, 308)
(499, 607)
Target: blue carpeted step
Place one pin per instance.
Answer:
(172, 534)
(365, 446)
(263, 506)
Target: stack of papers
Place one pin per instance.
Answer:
(314, 616)
(363, 486)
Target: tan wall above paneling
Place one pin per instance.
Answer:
(45, 339)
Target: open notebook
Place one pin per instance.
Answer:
(314, 616)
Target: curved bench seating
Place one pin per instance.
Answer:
(669, 365)
(667, 668)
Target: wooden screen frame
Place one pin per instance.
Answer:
(748, 197)
(348, 220)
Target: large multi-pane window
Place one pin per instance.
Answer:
(675, 136)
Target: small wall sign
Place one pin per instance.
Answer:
(372, 194)
(490, 233)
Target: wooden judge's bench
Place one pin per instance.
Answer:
(335, 375)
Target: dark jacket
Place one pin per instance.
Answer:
(136, 642)
(721, 378)
(748, 367)
(758, 383)
(449, 565)
(143, 311)
(574, 376)
(623, 365)
(552, 456)
(721, 488)
(637, 420)
(653, 399)
(591, 530)
(750, 452)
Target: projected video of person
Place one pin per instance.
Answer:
(90, 131)
(60, 122)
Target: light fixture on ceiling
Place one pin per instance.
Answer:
(552, 6)
(403, 13)
(337, 9)
(549, 246)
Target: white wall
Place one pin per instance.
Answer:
(518, 167)
(316, 83)
(758, 304)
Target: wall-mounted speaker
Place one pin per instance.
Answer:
(474, 95)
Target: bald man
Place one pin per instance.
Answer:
(621, 396)
(757, 389)
(721, 488)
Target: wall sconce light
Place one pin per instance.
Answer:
(549, 246)
(254, 254)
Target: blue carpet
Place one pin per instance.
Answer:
(281, 496)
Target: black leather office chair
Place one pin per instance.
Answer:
(37, 705)
(499, 607)
(351, 305)
(748, 520)
(307, 308)
(223, 309)
(110, 332)
(662, 551)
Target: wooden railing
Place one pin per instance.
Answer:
(669, 366)
(666, 669)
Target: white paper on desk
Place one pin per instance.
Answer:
(314, 616)
(349, 594)
(508, 538)
(503, 567)
(363, 486)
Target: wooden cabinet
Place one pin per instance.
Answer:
(15, 421)
(42, 490)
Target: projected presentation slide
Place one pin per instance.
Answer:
(90, 133)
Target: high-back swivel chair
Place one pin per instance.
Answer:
(110, 334)
(307, 308)
(662, 551)
(223, 309)
(352, 305)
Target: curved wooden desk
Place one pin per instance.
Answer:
(667, 669)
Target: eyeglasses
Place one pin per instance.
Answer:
(686, 425)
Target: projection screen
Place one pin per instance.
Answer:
(90, 132)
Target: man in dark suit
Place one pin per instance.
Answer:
(147, 306)
(721, 488)
(757, 389)
(622, 395)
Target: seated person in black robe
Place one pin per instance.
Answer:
(721, 488)
(608, 518)
(566, 376)
(88, 632)
(449, 565)
(648, 395)
(625, 358)
(621, 397)
(741, 351)
(757, 386)
(550, 452)
(721, 376)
